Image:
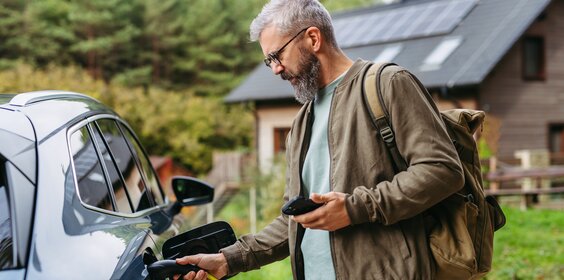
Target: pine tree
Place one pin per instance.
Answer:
(107, 32)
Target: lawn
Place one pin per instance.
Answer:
(530, 246)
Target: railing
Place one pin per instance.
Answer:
(226, 177)
(507, 179)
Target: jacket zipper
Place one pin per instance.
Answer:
(331, 235)
(299, 229)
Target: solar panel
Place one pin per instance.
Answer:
(418, 21)
(379, 26)
(402, 22)
(360, 33)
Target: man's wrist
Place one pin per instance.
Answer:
(233, 259)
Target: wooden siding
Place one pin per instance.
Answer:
(526, 108)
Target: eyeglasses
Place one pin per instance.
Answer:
(274, 56)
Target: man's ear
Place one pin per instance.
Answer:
(315, 39)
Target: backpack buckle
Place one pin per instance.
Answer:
(387, 134)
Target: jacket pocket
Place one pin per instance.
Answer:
(398, 238)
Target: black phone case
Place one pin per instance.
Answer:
(299, 205)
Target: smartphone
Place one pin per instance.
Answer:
(299, 205)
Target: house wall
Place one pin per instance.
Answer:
(269, 118)
(524, 109)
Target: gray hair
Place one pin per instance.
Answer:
(291, 16)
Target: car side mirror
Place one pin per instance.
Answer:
(190, 191)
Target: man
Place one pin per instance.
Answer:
(371, 225)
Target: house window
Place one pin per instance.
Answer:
(557, 138)
(280, 134)
(533, 58)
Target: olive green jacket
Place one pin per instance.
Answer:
(387, 237)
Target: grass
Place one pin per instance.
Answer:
(530, 246)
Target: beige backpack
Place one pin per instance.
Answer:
(463, 225)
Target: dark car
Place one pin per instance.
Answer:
(79, 198)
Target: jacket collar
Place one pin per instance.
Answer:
(352, 73)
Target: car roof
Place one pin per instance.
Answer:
(53, 110)
(27, 119)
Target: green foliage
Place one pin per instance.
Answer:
(197, 44)
(22, 78)
(178, 124)
(185, 126)
(269, 186)
(216, 45)
(270, 189)
(106, 32)
(280, 270)
(484, 150)
(530, 246)
(339, 5)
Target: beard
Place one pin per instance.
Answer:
(306, 85)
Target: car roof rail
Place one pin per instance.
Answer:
(24, 99)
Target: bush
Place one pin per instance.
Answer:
(173, 123)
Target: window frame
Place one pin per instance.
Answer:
(280, 134)
(90, 122)
(4, 183)
(556, 129)
(121, 126)
(541, 74)
(94, 125)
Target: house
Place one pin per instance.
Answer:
(505, 57)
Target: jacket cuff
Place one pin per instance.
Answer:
(356, 209)
(234, 259)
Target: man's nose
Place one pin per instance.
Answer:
(276, 68)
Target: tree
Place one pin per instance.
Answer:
(107, 32)
(161, 29)
(339, 5)
(216, 51)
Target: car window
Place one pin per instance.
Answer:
(92, 185)
(123, 204)
(151, 177)
(126, 164)
(6, 246)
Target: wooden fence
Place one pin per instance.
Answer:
(528, 183)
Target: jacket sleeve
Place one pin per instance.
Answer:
(434, 171)
(252, 251)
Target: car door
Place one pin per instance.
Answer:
(138, 188)
(106, 208)
(142, 185)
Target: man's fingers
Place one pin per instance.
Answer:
(323, 198)
(194, 259)
(201, 275)
(317, 198)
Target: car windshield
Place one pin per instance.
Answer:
(6, 250)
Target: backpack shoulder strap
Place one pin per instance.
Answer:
(378, 112)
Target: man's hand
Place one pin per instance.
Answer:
(331, 216)
(215, 264)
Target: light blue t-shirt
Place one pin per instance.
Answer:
(316, 248)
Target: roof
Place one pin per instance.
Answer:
(52, 110)
(445, 43)
(30, 118)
